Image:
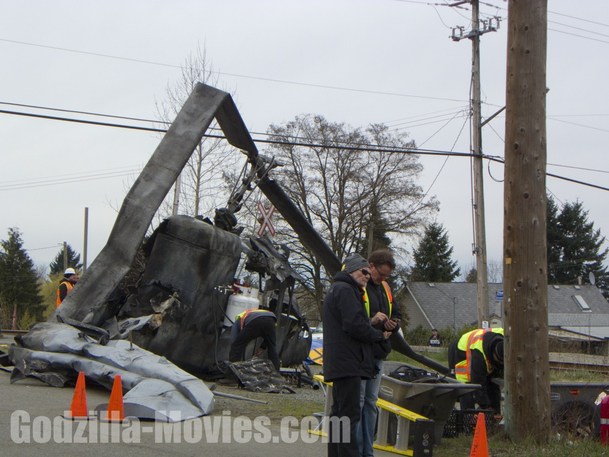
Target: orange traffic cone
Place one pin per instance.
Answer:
(116, 410)
(78, 408)
(480, 443)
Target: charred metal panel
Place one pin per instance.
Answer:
(55, 353)
(188, 257)
(86, 301)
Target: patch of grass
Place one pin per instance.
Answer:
(441, 357)
(304, 402)
(577, 376)
(500, 446)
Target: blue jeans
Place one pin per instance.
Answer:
(369, 393)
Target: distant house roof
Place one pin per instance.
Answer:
(581, 309)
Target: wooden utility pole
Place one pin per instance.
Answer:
(527, 375)
(477, 171)
(477, 165)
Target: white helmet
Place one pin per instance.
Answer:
(69, 271)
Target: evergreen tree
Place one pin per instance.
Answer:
(553, 240)
(472, 276)
(56, 265)
(18, 280)
(432, 257)
(575, 247)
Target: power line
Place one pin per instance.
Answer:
(578, 36)
(438, 117)
(417, 116)
(579, 28)
(47, 247)
(578, 125)
(444, 126)
(346, 147)
(602, 24)
(580, 19)
(572, 167)
(88, 113)
(83, 121)
(236, 75)
(44, 182)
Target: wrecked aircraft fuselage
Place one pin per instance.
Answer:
(189, 268)
(177, 306)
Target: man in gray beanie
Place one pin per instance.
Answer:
(349, 336)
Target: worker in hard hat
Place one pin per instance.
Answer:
(70, 278)
(477, 358)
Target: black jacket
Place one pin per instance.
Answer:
(348, 335)
(378, 302)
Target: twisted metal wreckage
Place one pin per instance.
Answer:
(175, 313)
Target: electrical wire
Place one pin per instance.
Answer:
(577, 35)
(420, 202)
(578, 125)
(344, 147)
(416, 123)
(417, 116)
(53, 181)
(236, 75)
(443, 127)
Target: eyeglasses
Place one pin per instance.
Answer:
(365, 272)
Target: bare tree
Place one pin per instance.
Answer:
(494, 272)
(354, 196)
(201, 186)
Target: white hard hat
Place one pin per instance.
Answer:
(69, 271)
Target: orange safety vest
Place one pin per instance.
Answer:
(69, 286)
(388, 295)
(472, 341)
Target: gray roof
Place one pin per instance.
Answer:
(442, 305)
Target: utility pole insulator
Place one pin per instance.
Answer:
(454, 35)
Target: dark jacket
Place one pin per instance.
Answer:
(246, 318)
(348, 335)
(379, 302)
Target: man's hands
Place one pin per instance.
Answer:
(378, 318)
(391, 325)
(388, 325)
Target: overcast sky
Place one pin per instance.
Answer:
(355, 61)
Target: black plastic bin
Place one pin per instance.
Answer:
(434, 400)
(463, 422)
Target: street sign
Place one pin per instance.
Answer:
(265, 219)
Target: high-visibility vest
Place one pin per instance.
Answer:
(472, 341)
(69, 287)
(241, 316)
(388, 295)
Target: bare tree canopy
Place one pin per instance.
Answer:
(201, 180)
(353, 192)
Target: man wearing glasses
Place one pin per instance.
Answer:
(377, 299)
(349, 337)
